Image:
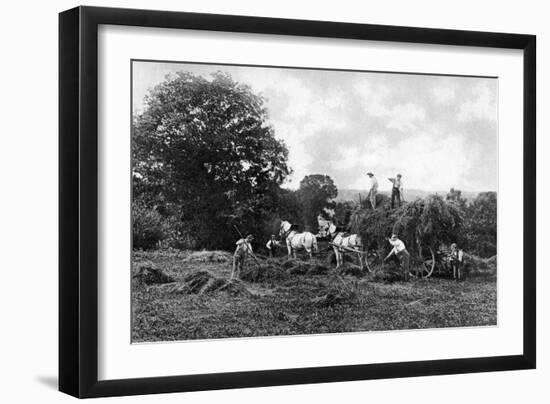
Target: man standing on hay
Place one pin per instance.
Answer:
(456, 259)
(373, 189)
(400, 251)
(396, 190)
(243, 250)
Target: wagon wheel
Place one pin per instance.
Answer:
(426, 263)
(371, 259)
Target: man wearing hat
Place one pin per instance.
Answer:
(400, 251)
(373, 189)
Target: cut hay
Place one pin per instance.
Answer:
(340, 292)
(198, 280)
(474, 265)
(265, 272)
(317, 269)
(147, 274)
(351, 269)
(388, 273)
(203, 283)
(205, 256)
(288, 264)
(307, 268)
(428, 222)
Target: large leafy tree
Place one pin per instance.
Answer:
(481, 225)
(343, 212)
(316, 194)
(202, 151)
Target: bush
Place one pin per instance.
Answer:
(147, 227)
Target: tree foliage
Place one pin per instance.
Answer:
(316, 194)
(481, 225)
(343, 212)
(203, 152)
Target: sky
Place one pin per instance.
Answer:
(437, 131)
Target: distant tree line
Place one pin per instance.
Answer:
(479, 235)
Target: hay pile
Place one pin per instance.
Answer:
(204, 282)
(475, 265)
(340, 292)
(274, 271)
(288, 264)
(147, 274)
(263, 272)
(388, 273)
(307, 268)
(352, 269)
(205, 256)
(427, 222)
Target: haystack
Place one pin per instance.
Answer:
(205, 256)
(204, 282)
(147, 274)
(263, 272)
(388, 273)
(424, 223)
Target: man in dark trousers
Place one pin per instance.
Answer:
(396, 190)
(400, 251)
(456, 259)
(272, 245)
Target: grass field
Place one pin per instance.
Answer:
(280, 297)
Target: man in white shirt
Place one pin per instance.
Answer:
(373, 189)
(272, 245)
(242, 251)
(400, 251)
(396, 190)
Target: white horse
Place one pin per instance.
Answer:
(297, 241)
(341, 243)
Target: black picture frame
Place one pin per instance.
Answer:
(78, 201)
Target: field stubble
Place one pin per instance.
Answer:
(191, 297)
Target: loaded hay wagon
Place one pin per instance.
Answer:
(425, 226)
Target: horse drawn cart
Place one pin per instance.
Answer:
(426, 226)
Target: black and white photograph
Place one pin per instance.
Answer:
(277, 201)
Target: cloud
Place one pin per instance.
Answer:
(482, 107)
(428, 162)
(348, 157)
(437, 131)
(405, 117)
(378, 102)
(443, 94)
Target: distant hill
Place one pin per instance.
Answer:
(410, 194)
